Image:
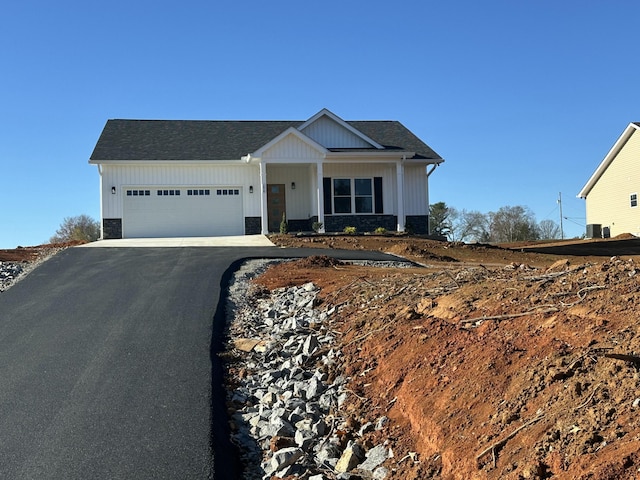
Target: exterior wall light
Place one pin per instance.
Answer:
(293, 185)
(250, 188)
(113, 190)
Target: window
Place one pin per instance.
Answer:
(138, 193)
(364, 195)
(342, 195)
(633, 199)
(167, 193)
(352, 195)
(227, 191)
(198, 192)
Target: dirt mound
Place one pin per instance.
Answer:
(30, 254)
(410, 250)
(505, 372)
(624, 236)
(318, 261)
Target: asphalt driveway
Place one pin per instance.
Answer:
(108, 365)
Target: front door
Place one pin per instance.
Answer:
(276, 206)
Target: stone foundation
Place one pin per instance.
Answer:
(252, 225)
(111, 228)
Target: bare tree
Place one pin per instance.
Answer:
(548, 230)
(512, 224)
(81, 228)
(468, 226)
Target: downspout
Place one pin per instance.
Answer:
(435, 165)
(101, 206)
(400, 187)
(429, 172)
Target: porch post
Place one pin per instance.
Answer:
(264, 218)
(320, 191)
(400, 188)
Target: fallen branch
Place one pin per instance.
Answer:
(582, 297)
(507, 316)
(498, 445)
(627, 358)
(586, 402)
(362, 337)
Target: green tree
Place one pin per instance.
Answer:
(439, 221)
(81, 228)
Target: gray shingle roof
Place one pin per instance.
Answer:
(225, 140)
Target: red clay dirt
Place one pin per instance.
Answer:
(491, 363)
(30, 254)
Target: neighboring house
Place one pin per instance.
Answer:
(612, 191)
(170, 178)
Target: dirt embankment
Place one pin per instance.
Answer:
(491, 364)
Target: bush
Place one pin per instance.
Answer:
(316, 226)
(380, 231)
(284, 226)
(81, 228)
(350, 230)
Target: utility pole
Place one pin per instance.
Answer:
(560, 204)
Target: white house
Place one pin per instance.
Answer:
(169, 178)
(611, 193)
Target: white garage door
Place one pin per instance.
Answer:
(182, 212)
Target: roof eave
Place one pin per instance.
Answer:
(626, 134)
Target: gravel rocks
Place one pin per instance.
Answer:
(285, 396)
(13, 272)
(10, 272)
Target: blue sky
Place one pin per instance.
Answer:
(523, 99)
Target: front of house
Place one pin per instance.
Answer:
(611, 193)
(179, 178)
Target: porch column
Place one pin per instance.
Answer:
(400, 188)
(264, 217)
(320, 191)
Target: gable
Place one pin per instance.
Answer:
(292, 147)
(622, 148)
(328, 133)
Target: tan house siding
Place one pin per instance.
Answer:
(608, 202)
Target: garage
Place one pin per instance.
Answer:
(181, 211)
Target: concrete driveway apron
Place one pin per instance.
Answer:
(109, 367)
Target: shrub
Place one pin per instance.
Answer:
(350, 230)
(380, 231)
(284, 226)
(316, 226)
(81, 228)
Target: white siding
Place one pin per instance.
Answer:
(241, 175)
(292, 149)
(416, 191)
(608, 201)
(332, 135)
(298, 201)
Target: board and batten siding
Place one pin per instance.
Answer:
(241, 175)
(608, 202)
(416, 191)
(299, 201)
(290, 150)
(327, 132)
